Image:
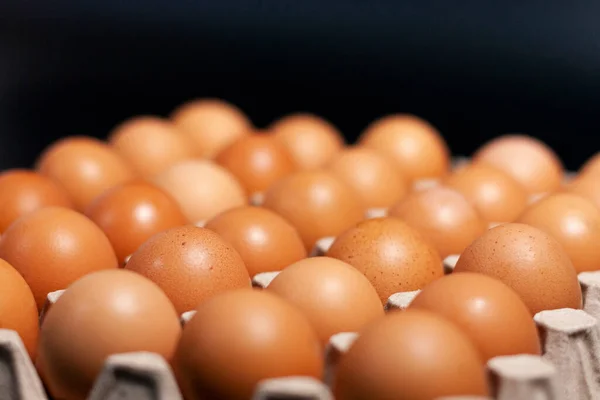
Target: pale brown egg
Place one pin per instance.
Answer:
(443, 216)
(18, 310)
(528, 260)
(529, 161)
(493, 193)
(190, 264)
(311, 140)
(591, 166)
(150, 144)
(317, 203)
(391, 254)
(132, 213)
(85, 167)
(373, 176)
(201, 188)
(101, 314)
(490, 313)
(257, 161)
(417, 148)
(211, 124)
(23, 192)
(333, 295)
(585, 186)
(265, 241)
(414, 355)
(53, 247)
(239, 338)
(572, 220)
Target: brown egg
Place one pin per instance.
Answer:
(201, 188)
(53, 247)
(585, 186)
(490, 313)
(417, 147)
(85, 167)
(529, 161)
(495, 195)
(333, 295)
(211, 124)
(18, 310)
(131, 213)
(266, 241)
(591, 166)
(257, 161)
(391, 254)
(190, 264)
(443, 216)
(317, 203)
(239, 338)
(150, 144)
(528, 260)
(373, 177)
(572, 220)
(101, 314)
(23, 192)
(312, 141)
(412, 355)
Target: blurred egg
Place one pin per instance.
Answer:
(211, 125)
(490, 313)
(201, 188)
(101, 314)
(190, 264)
(528, 260)
(239, 338)
(131, 213)
(85, 167)
(443, 216)
(333, 295)
(23, 192)
(373, 177)
(529, 161)
(266, 241)
(412, 355)
(417, 148)
(257, 161)
(150, 144)
(572, 220)
(317, 203)
(591, 166)
(391, 254)
(495, 195)
(53, 247)
(18, 310)
(311, 140)
(585, 186)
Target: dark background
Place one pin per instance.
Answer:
(474, 69)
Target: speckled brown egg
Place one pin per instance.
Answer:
(585, 186)
(493, 193)
(528, 260)
(416, 147)
(85, 167)
(150, 144)
(443, 216)
(265, 240)
(201, 188)
(190, 264)
(211, 124)
(317, 203)
(257, 161)
(529, 161)
(23, 192)
(373, 176)
(132, 213)
(391, 254)
(311, 140)
(572, 220)
(53, 247)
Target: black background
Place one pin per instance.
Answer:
(474, 69)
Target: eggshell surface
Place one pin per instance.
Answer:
(585, 186)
